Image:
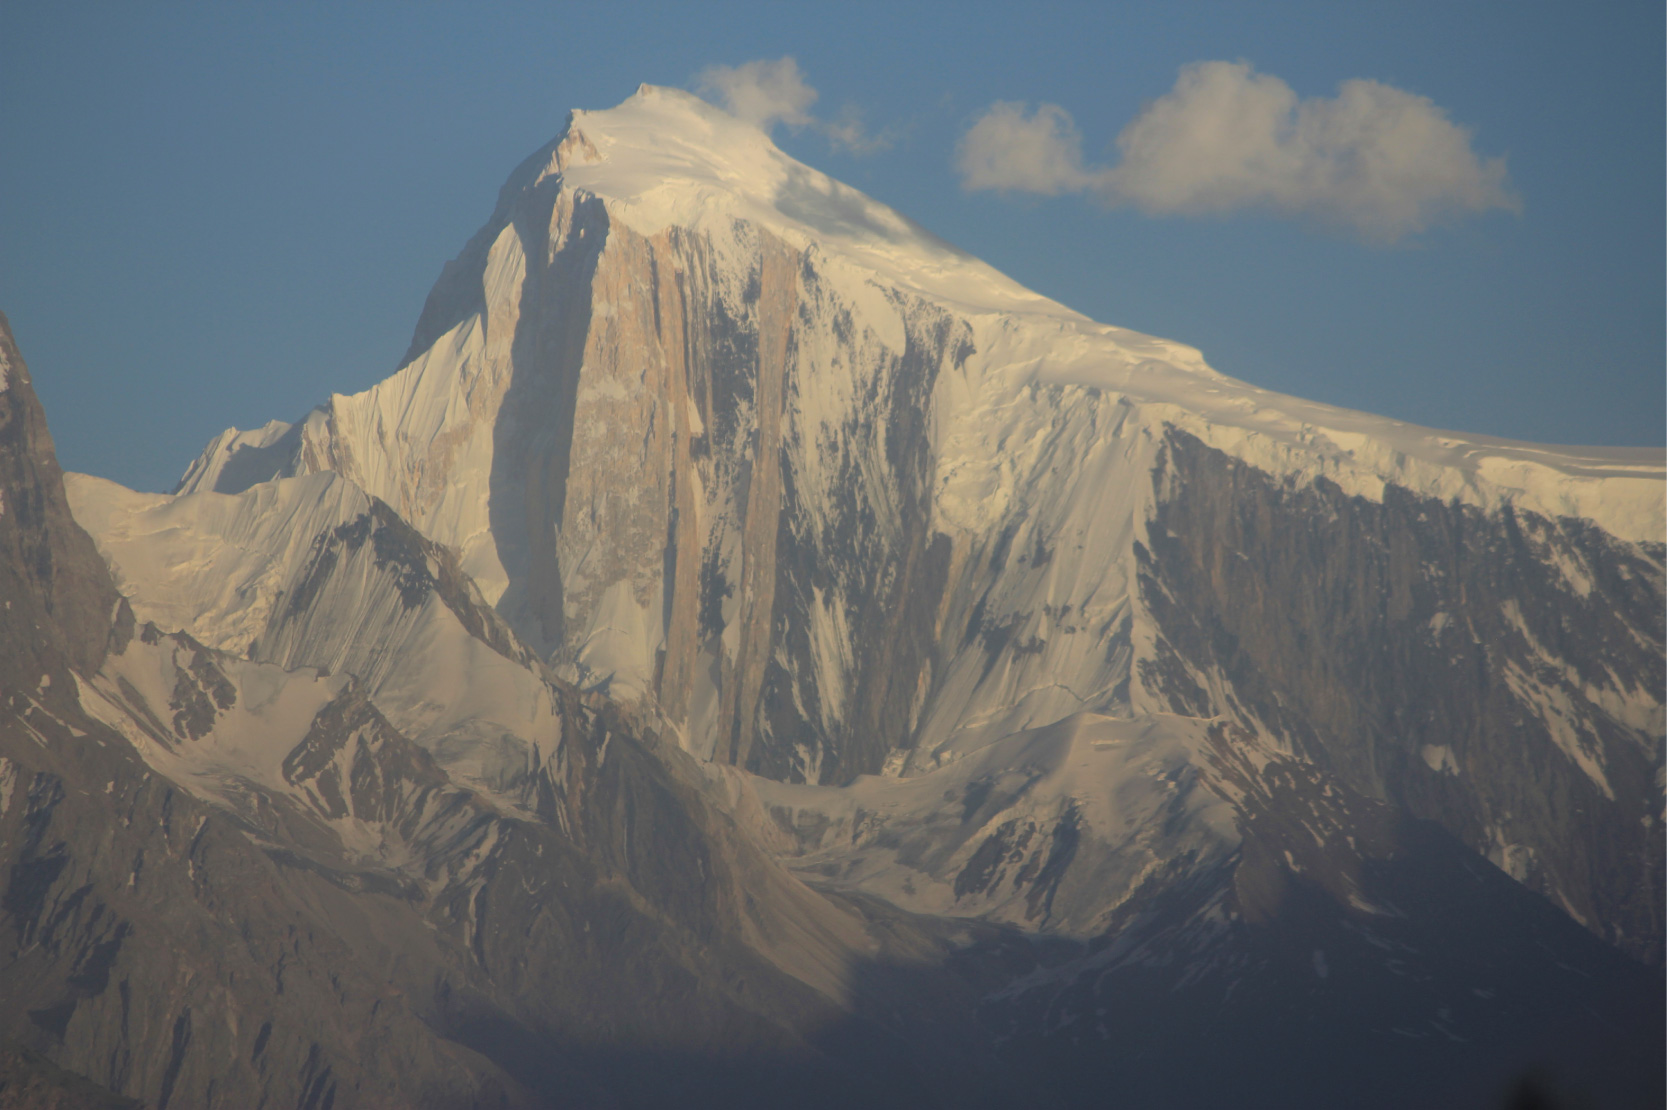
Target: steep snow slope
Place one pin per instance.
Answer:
(311, 572)
(1053, 829)
(302, 757)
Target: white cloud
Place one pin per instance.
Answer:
(848, 132)
(1009, 151)
(1376, 160)
(763, 93)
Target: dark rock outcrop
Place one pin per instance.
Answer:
(58, 598)
(1412, 647)
(29, 1081)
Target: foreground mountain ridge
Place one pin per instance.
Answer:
(931, 694)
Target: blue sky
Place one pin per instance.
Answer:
(218, 215)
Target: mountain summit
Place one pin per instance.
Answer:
(891, 632)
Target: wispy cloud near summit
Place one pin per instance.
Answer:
(762, 92)
(765, 92)
(1375, 160)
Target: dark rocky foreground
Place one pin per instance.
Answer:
(1381, 965)
(29, 1081)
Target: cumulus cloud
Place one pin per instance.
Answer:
(1375, 160)
(1012, 151)
(766, 92)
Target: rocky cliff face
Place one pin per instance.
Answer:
(665, 515)
(29, 1081)
(1497, 673)
(59, 599)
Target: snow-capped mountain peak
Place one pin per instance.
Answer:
(966, 606)
(706, 426)
(665, 158)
